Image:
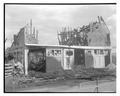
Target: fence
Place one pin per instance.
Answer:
(8, 69)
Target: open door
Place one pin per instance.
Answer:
(68, 59)
(79, 57)
(107, 57)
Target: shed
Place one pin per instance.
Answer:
(50, 58)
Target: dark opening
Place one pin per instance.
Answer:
(107, 58)
(37, 60)
(79, 57)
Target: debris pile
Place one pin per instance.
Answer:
(111, 67)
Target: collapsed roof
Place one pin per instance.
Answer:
(93, 34)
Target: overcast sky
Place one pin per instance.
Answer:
(49, 19)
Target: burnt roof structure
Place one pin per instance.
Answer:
(93, 34)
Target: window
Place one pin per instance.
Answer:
(53, 52)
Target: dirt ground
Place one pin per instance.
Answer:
(89, 86)
(107, 84)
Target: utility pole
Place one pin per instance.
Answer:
(96, 88)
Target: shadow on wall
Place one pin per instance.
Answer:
(53, 64)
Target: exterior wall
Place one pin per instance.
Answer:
(97, 58)
(101, 58)
(18, 53)
(19, 39)
(56, 59)
(53, 59)
(99, 35)
(18, 46)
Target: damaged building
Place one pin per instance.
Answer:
(94, 34)
(50, 58)
(26, 35)
(88, 46)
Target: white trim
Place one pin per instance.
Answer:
(26, 61)
(73, 47)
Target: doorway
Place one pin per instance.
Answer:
(37, 60)
(68, 59)
(99, 58)
(79, 57)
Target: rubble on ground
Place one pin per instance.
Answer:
(111, 67)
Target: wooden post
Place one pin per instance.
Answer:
(97, 84)
(26, 61)
(110, 56)
(62, 57)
